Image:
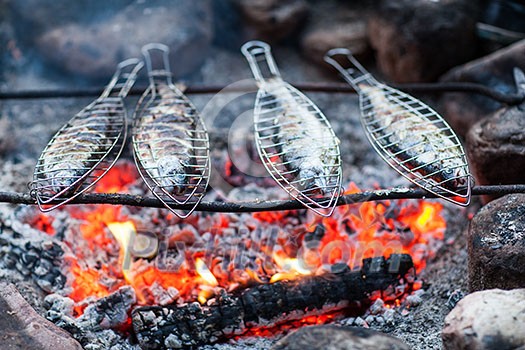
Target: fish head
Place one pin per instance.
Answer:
(453, 178)
(313, 180)
(62, 180)
(173, 177)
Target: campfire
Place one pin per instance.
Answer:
(251, 246)
(265, 269)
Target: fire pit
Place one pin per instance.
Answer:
(139, 275)
(116, 270)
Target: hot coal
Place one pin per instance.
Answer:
(265, 305)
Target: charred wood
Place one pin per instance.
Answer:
(41, 260)
(94, 329)
(265, 305)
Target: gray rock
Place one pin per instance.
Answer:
(22, 328)
(227, 25)
(496, 145)
(495, 71)
(490, 319)
(7, 140)
(35, 16)
(338, 338)
(273, 20)
(334, 24)
(496, 245)
(420, 40)
(92, 50)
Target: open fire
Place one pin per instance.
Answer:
(162, 260)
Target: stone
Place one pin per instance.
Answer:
(36, 16)
(496, 245)
(4, 38)
(417, 41)
(7, 141)
(462, 110)
(93, 50)
(487, 320)
(227, 25)
(273, 20)
(496, 145)
(330, 337)
(22, 328)
(501, 23)
(335, 24)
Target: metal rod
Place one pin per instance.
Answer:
(245, 207)
(507, 98)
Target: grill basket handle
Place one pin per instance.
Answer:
(355, 73)
(258, 52)
(123, 79)
(156, 56)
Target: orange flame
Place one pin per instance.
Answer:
(205, 273)
(125, 234)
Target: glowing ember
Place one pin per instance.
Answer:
(306, 321)
(44, 223)
(118, 181)
(86, 283)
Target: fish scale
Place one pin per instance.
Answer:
(294, 139)
(87, 146)
(411, 137)
(170, 141)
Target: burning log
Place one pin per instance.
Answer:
(265, 305)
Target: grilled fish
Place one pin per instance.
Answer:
(164, 136)
(416, 141)
(75, 148)
(306, 145)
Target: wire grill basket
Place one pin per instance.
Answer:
(410, 136)
(85, 148)
(170, 141)
(294, 139)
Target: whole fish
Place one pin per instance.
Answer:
(87, 146)
(411, 137)
(295, 141)
(163, 139)
(418, 143)
(75, 148)
(306, 145)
